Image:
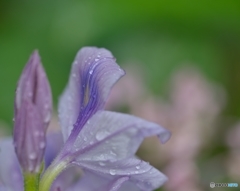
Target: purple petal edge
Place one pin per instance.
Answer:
(93, 74)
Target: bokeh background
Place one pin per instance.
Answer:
(182, 60)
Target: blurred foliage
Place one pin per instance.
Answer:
(159, 36)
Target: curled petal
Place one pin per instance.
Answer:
(93, 74)
(114, 136)
(101, 183)
(10, 173)
(137, 173)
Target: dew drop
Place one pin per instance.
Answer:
(32, 156)
(13, 119)
(136, 172)
(96, 59)
(90, 72)
(112, 153)
(102, 164)
(101, 157)
(85, 138)
(47, 117)
(137, 167)
(112, 171)
(101, 135)
(42, 145)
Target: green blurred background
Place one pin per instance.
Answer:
(159, 35)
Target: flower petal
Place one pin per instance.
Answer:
(67, 179)
(93, 73)
(113, 136)
(10, 174)
(53, 147)
(29, 137)
(33, 86)
(101, 183)
(86, 182)
(33, 106)
(139, 173)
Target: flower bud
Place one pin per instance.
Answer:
(33, 106)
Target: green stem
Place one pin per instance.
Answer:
(51, 174)
(31, 181)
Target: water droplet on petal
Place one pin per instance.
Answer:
(112, 153)
(96, 59)
(47, 117)
(136, 172)
(90, 72)
(32, 156)
(102, 164)
(101, 135)
(137, 167)
(85, 138)
(112, 171)
(42, 145)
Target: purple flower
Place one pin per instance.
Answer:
(99, 146)
(33, 105)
